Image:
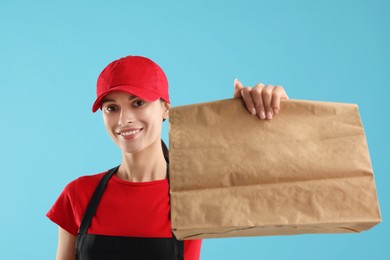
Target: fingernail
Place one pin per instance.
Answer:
(253, 111)
(276, 111)
(262, 115)
(269, 115)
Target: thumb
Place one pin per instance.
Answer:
(237, 88)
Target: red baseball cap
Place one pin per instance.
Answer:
(135, 75)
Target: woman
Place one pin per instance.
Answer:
(124, 213)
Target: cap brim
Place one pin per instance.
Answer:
(133, 90)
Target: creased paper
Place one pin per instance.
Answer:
(307, 170)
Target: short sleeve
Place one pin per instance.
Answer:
(192, 249)
(63, 211)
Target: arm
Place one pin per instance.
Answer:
(261, 100)
(66, 249)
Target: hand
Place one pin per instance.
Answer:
(261, 100)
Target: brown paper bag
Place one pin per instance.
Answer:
(305, 171)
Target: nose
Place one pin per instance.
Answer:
(126, 116)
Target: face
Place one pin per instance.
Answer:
(132, 123)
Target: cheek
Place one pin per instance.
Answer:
(153, 121)
(152, 116)
(106, 122)
(109, 125)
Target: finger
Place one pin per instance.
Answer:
(275, 102)
(258, 100)
(246, 95)
(267, 98)
(284, 94)
(277, 95)
(237, 88)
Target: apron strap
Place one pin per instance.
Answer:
(165, 151)
(94, 202)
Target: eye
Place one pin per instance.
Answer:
(110, 108)
(138, 103)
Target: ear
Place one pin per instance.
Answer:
(166, 106)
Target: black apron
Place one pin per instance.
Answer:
(101, 247)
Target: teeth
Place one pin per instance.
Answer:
(130, 132)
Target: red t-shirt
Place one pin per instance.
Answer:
(136, 209)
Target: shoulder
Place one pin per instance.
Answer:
(85, 184)
(69, 207)
(85, 180)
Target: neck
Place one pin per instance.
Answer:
(147, 165)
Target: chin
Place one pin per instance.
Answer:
(130, 149)
(133, 148)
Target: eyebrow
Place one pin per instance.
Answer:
(113, 100)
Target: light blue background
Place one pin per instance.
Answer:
(52, 51)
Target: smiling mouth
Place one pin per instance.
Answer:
(130, 132)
